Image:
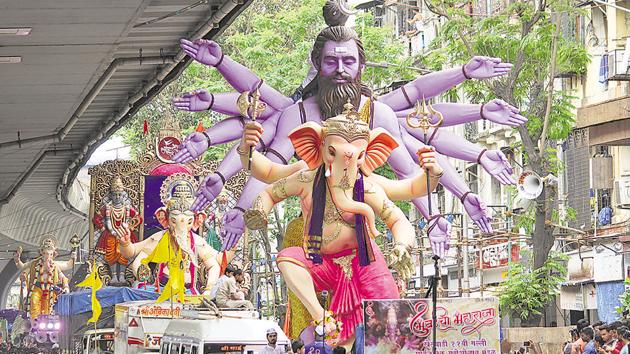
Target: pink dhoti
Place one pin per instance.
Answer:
(348, 282)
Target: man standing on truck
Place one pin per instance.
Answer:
(228, 295)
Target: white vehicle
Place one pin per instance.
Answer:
(219, 335)
(99, 341)
(139, 325)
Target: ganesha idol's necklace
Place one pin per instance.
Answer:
(332, 216)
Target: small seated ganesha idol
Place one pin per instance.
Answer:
(178, 241)
(339, 198)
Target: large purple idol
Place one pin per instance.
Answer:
(339, 59)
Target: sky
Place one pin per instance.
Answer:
(110, 150)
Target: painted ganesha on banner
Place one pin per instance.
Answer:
(340, 198)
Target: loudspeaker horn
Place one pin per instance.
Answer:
(529, 185)
(41, 337)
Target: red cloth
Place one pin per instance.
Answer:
(618, 347)
(224, 263)
(374, 281)
(99, 222)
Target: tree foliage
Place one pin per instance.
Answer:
(528, 290)
(527, 34)
(624, 299)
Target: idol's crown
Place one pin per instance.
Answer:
(117, 185)
(181, 203)
(182, 198)
(347, 125)
(48, 243)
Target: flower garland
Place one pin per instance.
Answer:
(332, 328)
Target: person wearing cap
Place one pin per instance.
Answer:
(318, 346)
(272, 347)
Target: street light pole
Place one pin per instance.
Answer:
(466, 283)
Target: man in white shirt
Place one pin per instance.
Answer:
(272, 347)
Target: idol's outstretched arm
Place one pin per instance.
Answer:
(497, 111)
(456, 185)
(225, 131)
(212, 185)
(238, 76)
(431, 85)
(453, 145)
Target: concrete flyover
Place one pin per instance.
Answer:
(72, 73)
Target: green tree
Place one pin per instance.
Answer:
(528, 290)
(527, 34)
(624, 299)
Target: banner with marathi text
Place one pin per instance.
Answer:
(464, 326)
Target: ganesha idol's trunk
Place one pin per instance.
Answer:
(181, 234)
(343, 201)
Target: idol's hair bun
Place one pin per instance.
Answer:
(336, 13)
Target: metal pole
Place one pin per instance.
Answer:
(480, 265)
(465, 231)
(436, 277)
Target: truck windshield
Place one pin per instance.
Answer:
(102, 347)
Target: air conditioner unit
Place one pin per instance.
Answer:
(622, 192)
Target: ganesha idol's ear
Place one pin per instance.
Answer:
(200, 217)
(307, 142)
(162, 216)
(379, 148)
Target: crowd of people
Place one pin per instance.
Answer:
(599, 338)
(318, 346)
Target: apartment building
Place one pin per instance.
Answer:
(595, 181)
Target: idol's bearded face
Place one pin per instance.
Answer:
(339, 77)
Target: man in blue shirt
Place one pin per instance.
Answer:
(587, 335)
(318, 346)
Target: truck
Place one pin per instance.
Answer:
(140, 325)
(219, 335)
(98, 341)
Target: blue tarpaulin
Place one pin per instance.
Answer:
(81, 301)
(607, 299)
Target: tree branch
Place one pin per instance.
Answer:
(552, 74)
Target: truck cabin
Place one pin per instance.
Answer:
(99, 341)
(221, 335)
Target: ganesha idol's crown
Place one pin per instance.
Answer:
(182, 199)
(48, 243)
(347, 125)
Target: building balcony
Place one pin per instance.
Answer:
(608, 122)
(617, 66)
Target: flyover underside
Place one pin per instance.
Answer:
(66, 97)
